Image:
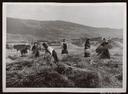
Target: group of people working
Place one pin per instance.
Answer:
(102, 50)
(49, 50)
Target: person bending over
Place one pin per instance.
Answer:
(51, 51)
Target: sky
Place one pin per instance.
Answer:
(97, 15)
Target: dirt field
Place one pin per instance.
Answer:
(72, 71)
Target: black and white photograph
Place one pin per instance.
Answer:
(71, 47)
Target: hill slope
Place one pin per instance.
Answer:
(52, 30)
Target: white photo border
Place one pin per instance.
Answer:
(81, 90)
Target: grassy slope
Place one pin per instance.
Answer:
(53, 30)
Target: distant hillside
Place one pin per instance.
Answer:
(19, 29)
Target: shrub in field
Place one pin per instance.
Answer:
(54, 79)
(119, 77)
(85, 79)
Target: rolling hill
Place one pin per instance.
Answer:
(20, 29)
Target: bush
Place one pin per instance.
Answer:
(86, 79)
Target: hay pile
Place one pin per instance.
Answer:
(40, 74)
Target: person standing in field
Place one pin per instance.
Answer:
(103, 50)
(35, 54)
(64, 47)
(51, 51)
(64, 51)
(35, 50)
(87, 48)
